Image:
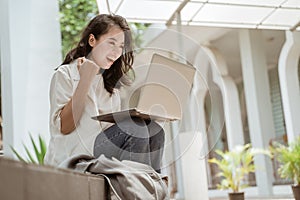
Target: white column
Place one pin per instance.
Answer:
(216, 115)
(194, 149)
(258, 101)
(231, 103)
(175, 129)
(15, 40)
(30, 51)
(44, 56)
(193, 140)
(193, 143)
(289, 83)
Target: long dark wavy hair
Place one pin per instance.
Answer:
(117, 74)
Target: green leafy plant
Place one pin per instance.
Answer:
(74, 16)
(138, 30)
(235, 165)
(38, 152)
(288, 158)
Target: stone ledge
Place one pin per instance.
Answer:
(22, 181)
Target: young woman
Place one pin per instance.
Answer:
(87, 84)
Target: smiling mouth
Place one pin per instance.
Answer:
(110, 61)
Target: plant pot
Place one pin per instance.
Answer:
(236, 196)
(296, 191)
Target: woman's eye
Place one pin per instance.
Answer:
(112, 43)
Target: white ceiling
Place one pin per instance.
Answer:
(226, 41)
(261, 14)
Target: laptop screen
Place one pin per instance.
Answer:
(166, 88)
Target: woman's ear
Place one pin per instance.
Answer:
(92, 40)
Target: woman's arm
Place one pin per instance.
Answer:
(72, 111)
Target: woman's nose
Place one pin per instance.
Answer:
(117, 51)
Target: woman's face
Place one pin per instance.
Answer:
(108, 47)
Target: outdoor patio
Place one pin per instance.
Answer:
(247, 52)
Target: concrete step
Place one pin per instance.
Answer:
(22, 181)
(257, 198)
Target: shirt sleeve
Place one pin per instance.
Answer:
(61, 91)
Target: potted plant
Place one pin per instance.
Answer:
(288, 157)
(40, 149)
(234, 166)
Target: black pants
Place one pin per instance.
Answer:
(132, 139)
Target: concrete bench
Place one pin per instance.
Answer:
(22, 181)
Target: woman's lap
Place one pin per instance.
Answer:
(132, 140)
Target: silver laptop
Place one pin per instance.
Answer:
(163, 94)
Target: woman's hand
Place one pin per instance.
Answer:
(87, 68)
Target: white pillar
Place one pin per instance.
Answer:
(289, 83)
(30, 50)
(175, 129)
(258, 101)
(45, 55)
(231, 103)
(216, 116)
(193, 141)
(15, 40)
(194, 149)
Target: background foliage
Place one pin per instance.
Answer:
(75, 15)
(40, 150)
(289, 159)
(235, 166)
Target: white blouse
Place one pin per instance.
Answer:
(81, 140)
